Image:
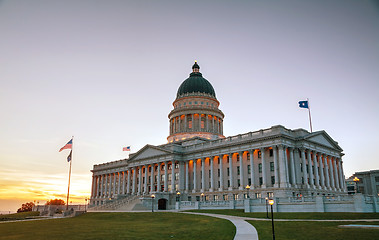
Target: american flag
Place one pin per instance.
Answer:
(67, 146)
(126, 148)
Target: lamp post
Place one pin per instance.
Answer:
(271, 202)
(85, 206)
(202, 196)
(356, 180)
(248, 188)
(152, 202)
(266, 207)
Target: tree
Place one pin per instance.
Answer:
(55, 202)
(26, 207)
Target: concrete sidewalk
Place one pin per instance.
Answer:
(244, 230)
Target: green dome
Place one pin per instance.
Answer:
(196, 84)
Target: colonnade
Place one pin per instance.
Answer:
(278, 166)
(196, 122)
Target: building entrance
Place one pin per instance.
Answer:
(162, 204)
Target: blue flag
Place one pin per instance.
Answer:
(303, 104)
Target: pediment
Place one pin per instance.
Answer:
(323, 138)
(148, 152)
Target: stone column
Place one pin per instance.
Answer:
(230, 170)
(304, 167)
(165, 176)
(181, 176)
(211, 160)
(152, 182)
(128, 181)
(293, 171)
(199, 122)
(180, 123)
(321, 167)
(102, 190)
(110, 185)
(194, 176)
(316, 170)
(98, 188)
(264, 170)
(342, 179)
(173, 176)
(123, 182)
(99, 191)
(119, 183)
(206, 121)
(276, 172)
(203, 175)
(337, 184)
(106, 186)
(221, 173)
(252, 169)
(185, 123)
(242, 178)
(93, 186)
(331, 174)
(159, 177)
(310, 169)
(187, 176)
(134, 180)
(327, 178)
(145, 191)
(282, 167)
(139, 180)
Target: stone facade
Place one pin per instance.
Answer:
(199, 163)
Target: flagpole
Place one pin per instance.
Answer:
(69, 174)
(309, 112)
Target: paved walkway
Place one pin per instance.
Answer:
(244, 230)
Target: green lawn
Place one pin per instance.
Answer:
(283, 215)
(18, 216)
(313, 231)
(122, 226)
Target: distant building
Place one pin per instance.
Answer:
(367, 182)
(199, 163)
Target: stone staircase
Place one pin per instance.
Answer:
(129, 203)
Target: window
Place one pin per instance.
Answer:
(149, 179)
(190, 103)
(162, 167)
(271, 166)
(377, 179)
(271, 152)
(176, 176)
(162, 178)
(184, 104)
(169, 166)
(189, 198)
(238, 170)
(238, 157)
(209, 173)
(249, 181)
(202, 103)
(270, 194)
(215, 197)
(235, 196)
(143, 170)
(301, 167)
(260, 167)
(156, 168)
(248, 169)
(228, 183)
(225, 197)
(195, 102)
(207, 103)
(189, 124)
(218, 172)
(150, 169)
(228, 171)
(239, 182)
(259, 154)
(169, 176)
(258, 195)
(260, 181)
(272, 180)
(176, 165)
(219, 184)
(307, 169)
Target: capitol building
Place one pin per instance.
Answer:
(199, 163)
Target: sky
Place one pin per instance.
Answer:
(107, 72)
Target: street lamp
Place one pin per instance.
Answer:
(248, 188)
(271, 202)
(202, 196)
(178, 196)
(85, 206)
(266, 207)
(356, 180)
(152, 202)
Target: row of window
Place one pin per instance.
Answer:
(195, 103)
